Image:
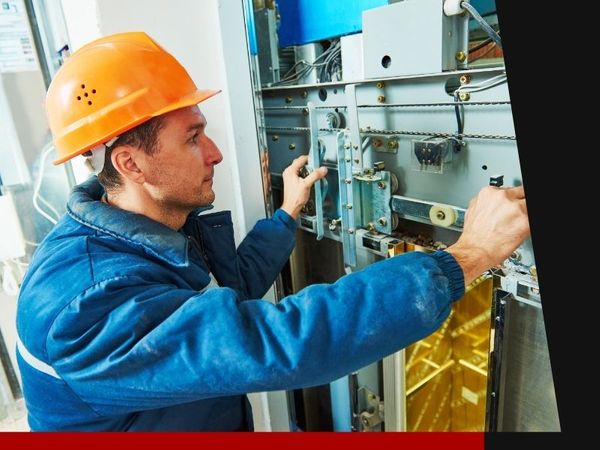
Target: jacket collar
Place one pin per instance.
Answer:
(86, 207)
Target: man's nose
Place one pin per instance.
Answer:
(214, 154)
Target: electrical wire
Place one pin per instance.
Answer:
(475, 87)
(480, 45)
(289, 77)
(36, 191)
(482, 23)
(492, 47)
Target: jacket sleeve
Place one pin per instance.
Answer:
(264, 251)
(252, 268)
(134, 345)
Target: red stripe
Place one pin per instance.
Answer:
(262, 441)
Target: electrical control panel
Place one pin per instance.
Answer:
(411, 124)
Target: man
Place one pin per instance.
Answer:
(120, 325)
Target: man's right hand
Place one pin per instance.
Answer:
(296, 190)
(496, 223)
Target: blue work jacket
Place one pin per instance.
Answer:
(120, 327)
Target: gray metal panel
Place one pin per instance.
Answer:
(268, 50)
(415, 35)
(527, 400)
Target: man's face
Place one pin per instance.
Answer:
(181, 171)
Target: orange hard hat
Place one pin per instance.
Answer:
(110, 86)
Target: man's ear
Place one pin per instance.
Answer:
(124, 161)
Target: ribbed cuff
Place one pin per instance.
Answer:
(453, 272)
(287, 220)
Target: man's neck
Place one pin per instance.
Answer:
(171, 217)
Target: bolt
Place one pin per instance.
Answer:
(516, 256)
(348, 180)
(465, 79)
(355, 147)
(350, 230)
(371, 226)
(381, 98)
(348, 159)
(460, 56)
(533, 271)
(357, 161)
(392, 144)
(292, 146)
(464, 96)
(275, 137)
(377, 143)
(382, 221)
(349, 206)
(305, 111)
(304, 94)
(440, 215)
(381, 185)
(288, 99)
(346, 146)
(380, 85)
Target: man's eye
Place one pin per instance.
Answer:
(194, 139)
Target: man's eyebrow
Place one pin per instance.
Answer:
(196, 126)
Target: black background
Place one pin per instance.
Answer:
(549, 62)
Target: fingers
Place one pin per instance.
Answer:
(516, 193)
(299, 162)
(316, 175)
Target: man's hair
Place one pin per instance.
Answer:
(144, 136)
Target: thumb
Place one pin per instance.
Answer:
(316, 175)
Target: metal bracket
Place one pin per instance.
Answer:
(346, 189)
(370, 409)
(376, 193)
(314, 161)
(419, 210)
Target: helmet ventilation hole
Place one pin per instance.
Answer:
(86, 94)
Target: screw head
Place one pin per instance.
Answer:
(464, 96)
(275, 137)
(292, 146)
(381, 185)
(382, 221)
(465, 79)
(460, 56)
(381, 98)
(288, 99)
(380, 85)
(350, 230)
(304, 94)
(440, 215)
